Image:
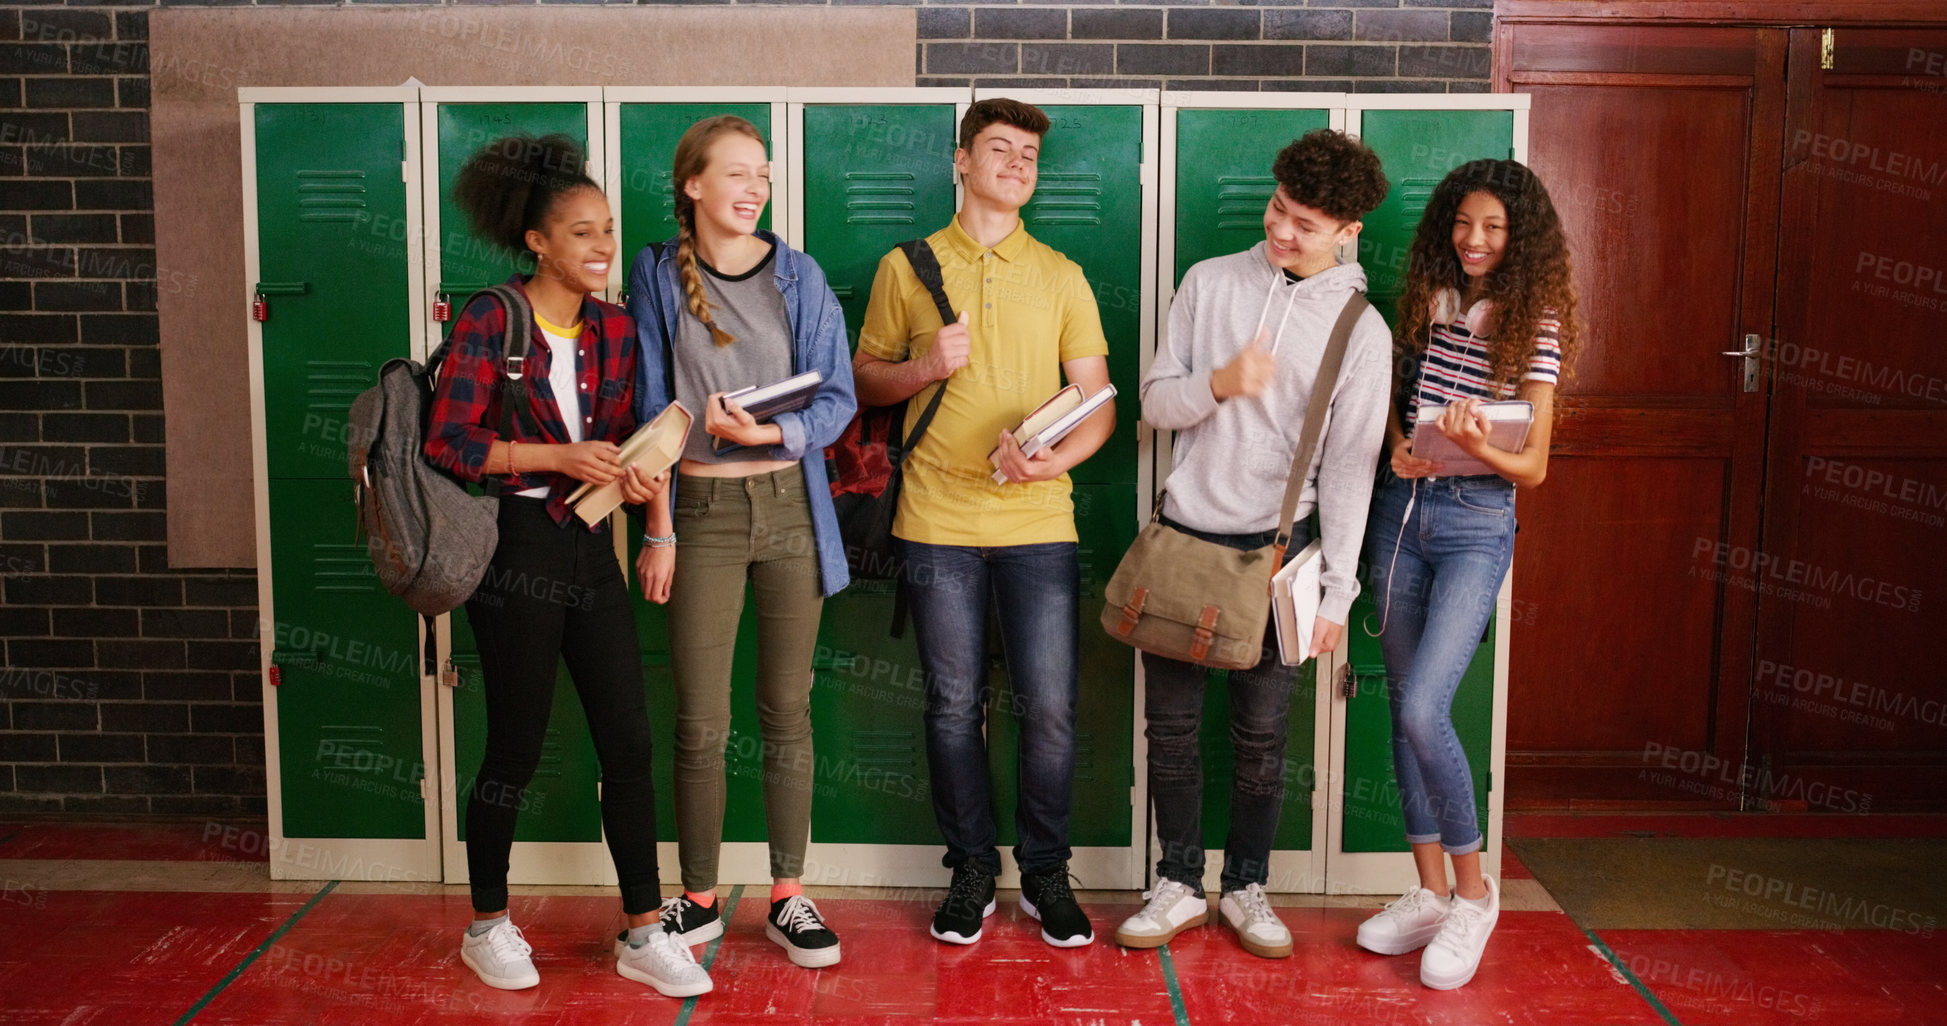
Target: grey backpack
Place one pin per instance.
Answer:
(430, 539)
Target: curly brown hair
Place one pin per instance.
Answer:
(1532, 283)
(510, 186)
(1331, 171)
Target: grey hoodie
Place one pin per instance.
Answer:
(1232, 458)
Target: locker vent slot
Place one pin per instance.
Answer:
(551, 758)
(331, 385)
(331, 196)
(342, 567)
(1241, 200)
(878, 197)
(1414, 194)
(352, 746)
(1073, 198)
(1084, 756)
(885, 749)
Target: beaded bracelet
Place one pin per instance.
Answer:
(659, 543)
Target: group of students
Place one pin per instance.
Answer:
(1487, 314)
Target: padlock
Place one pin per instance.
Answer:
(442, 307)
(276, 676)
(449, 675)
(1348, 682)
(259, 308)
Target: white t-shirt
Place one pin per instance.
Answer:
(561, 379)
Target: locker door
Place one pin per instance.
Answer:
(331, 251)
(646, 200)
(1417, 148)
(1088, 205)
(561, 803)
(1222, 182)
(874, 175)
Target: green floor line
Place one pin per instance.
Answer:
(1641, 988)
(710, 953)
(255, 953)
(1169, 980)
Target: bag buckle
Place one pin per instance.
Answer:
(1206, 633)
(1132, 612)
(515, 367)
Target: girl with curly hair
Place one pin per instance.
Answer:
(1488, 313)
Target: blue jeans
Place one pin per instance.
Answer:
(1035, 590)
(1435, 597)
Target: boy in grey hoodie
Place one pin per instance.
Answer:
(1233, 378)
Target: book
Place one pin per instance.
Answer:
(1507, 430)
(1296, 591)
(1052, 421)
(763, 402)
(654, 447)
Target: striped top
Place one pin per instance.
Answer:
(1457, 364)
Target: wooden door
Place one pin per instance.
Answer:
(1849, 692)
(1632, 629)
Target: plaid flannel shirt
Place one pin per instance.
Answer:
(465, 420)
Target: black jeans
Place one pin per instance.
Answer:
(557, 593)
(1260, 707)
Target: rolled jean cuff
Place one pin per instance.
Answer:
(1463, 849)
(1422, 838)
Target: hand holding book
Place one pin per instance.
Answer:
(1026, 453)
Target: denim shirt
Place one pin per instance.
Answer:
(818, 343)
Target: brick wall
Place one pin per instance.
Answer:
(129, 688)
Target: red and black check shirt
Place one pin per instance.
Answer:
(466, 403)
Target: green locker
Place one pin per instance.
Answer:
(561, 803)
(332, 246)
(1417, 148)
(646, 201)
(876, 175)
(1223, 182)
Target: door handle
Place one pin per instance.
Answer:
(1750, 355)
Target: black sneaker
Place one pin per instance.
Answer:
(690, 922)
(969, 900)
(796, 927)
(1045, 896)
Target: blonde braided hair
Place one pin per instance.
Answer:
(692, 157)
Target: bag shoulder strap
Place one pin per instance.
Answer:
(1322, 388)
(926, 266)
(516, 330)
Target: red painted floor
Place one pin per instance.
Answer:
(1753, 977)
(210, 842)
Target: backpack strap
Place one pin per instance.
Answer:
(516, 330)
(926, 266)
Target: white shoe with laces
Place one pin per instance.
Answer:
(665, 963)
(1258, 928)
(1407, 924)
(1450, 960)
(500, 957)
(1173, 908)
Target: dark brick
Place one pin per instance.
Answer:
(220, 591)
(102, 806)
(1116, 24)
(124, 395)
(243, 624)
(16, 622)
(78, 295)
(1162, 59)
(138, 228)
(64, 26)
(59, 779)
(66, 715)
(186, 687)
(140, 296)
(50, 93)
(102, 748)
(1480, 4)
(1478, 86)
(21, 261)
(141, 526)
(139, 591)
(33, 59)
(185, 623)
(147, 779)
(97, 622)
(23, 804)
(973, 58)
(111, 126)
(191, 750)
(62, 653)
(1269, 60)
(103, 58)
(1366, 3)
(20, 427)
(1216, 23)
(1067, 59)
(92, 559)
(11, 94)
(125, 460)
(40, 195)
(1354, 61)
(112, 685)
(1305, 25)
(113, 195)
(1443, 61)
(21, 493)
(132, 93)
(26, 327)
(52, 526)
(86, 427)
(1115, 83)
(1397, 85)
(77, 160)
(1471, 27)
(210, 805)
(34, 129)
(43, 589)
(27, 748)
(250, 751)
(226, 719)
(945, 23)
(9, 27)
(152, 559)
(120, 329)
(1401, 26)
(121, 262)
(139, 655)
(134, 162)
(92, 492)
(148, 427)
(942, 82)
(131, 24)
(238, 780)
(1020, 23)
(146, 718)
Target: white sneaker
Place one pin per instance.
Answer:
(1455, 953)
(1407, 924)
(1259, 929)
(1173, 908)
(500, 957)
(665, 963)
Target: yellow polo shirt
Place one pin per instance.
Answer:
(1030, 310)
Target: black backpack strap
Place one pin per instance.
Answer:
(516, 331)
(926, 266)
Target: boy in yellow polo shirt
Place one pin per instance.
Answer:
(1027, 320)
